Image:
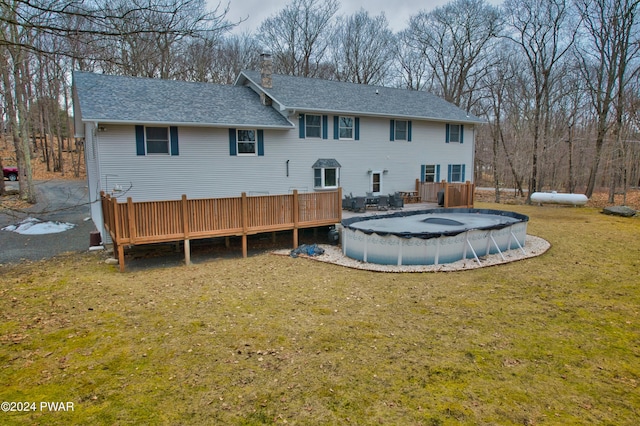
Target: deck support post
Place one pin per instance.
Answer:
(187, 252)
(245, 222)
(117, 246)
(185, 229)
(244, 245)
(296, 217)
(121, 257)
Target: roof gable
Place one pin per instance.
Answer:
(317, 95)
(121, 99)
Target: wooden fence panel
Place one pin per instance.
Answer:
(208, 217)
(107, 213)
(155, 221)
(121, 216)
(269, 211)
(428, 191)
(319, 207)
(455, 194)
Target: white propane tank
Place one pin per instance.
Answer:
(559, 198)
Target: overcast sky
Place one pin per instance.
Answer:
(396, 11)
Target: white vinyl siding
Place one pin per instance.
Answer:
(206, 169)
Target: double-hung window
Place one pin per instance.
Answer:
(401, 130)
(157, 140)
(313, 126)
(455, 133)
(429, 173)
(456, 172)
(345, 127)
(246, 142)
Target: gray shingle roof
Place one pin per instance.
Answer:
(323, 163)
(108, 98)
(316, 95)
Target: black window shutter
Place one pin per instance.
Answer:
(173, 131)
(260, 142)
(409, 131)
(357, 128)
(336, 127)
(301, 126)
(325, 127)
(140, 140)
(233, 147)
(392, 130)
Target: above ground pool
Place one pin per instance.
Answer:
(432, 237)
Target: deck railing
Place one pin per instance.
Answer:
(455, 194)
(146, 222)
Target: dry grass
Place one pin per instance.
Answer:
(271, 339)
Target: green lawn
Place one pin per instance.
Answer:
(271, 340)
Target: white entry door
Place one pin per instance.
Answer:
(376, 183)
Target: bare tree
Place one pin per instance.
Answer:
(234, 54)
(611, 29)
(411, 65)
(499, 84)
(454, 40)
(15, 78)
(543, 31)
(138, 37)
(298, 36)
(362, 48)
(151, 36)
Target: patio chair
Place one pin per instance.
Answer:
(383, 202)
(360, 204)
(347, 203)
(396, 201)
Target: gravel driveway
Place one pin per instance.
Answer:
(58, 201)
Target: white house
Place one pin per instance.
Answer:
(153, 139)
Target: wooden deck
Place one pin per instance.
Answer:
(147, 222)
